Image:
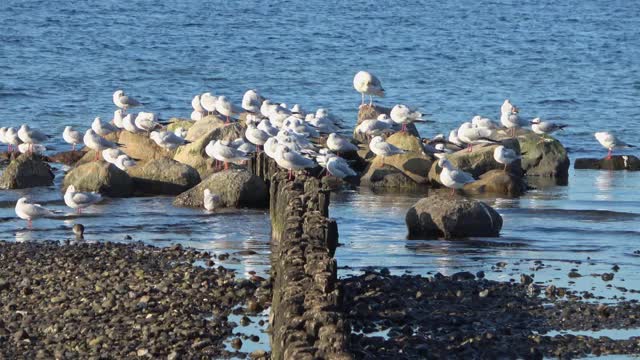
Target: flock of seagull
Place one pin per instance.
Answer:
(287, 135)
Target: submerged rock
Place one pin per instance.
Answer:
(237, 188)
(617, 162)
(163, 177)
(451, 217)
(194, 154)
(26, 171)
(99, 176)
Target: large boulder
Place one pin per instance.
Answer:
(237, 188)
(546, 158)
(399, 171)
(449, 217)
(203, 127)
(26, 171)
(479, 161)
(163, 177)
(617, 162)
(138, 146)
(175, 123)
(194, 154)
(99, 176)
(497, 182)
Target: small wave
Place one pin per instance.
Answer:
(557, 101)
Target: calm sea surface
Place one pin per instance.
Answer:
(577, 62)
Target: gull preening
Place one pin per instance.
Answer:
(73, 137)
(378, 146)
(123, 101)
(367, 84)
(403, 115)
(211, 201)
(96, 142)
(30, 211)
(453, 177)
(610, 141)
(340, 144)
(506, 156)
(79, 200)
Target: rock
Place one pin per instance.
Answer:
(26, 171)
(497, 182)
(403, 171)
(140, 147)
(203, 127)
(101, 177)
(607, 276)
(478, 162)
(617, 162)
(237, 188)
(175, 123)
(447, 217)
(236, 343)
(194, 155)
(547, 159)
(68, 157)
(163, 177)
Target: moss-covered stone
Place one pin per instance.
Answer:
(140, 147)
(163, 177)
(175, 123)
(236, 188)
(26, 171)
(543, 158)
(497, 182)
(203, 127)
(99, 176)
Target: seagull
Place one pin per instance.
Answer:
(226, 108)
(296, 110)
(299, 126)
(3, 132)
(266, 108)
(96, 142)
(291, 160)
(72, 137)
(367, 127)
(367, 84)
(123, 101)
(32, 148)
(339, 167)
(29, 211)
(102, 129)
(271, 147)
(401, 114)
(196, 115)
(79, 200)
(129, 124)
(196, 104)
(474, 135)
(251, 101)
(482, 122)
(147, 121)
(610, 142)
(118, 116)
(506, 156)
(211, 201)
(454, 139)
(265, 125)
(256, 136)
(123, 162)
(339, 144)
(242, 145)
(452, 177)
(208, 102)
(12, 138)
(382, 148)
(222, 150)
(111, 155)
(322, 121)
(509, 117)
(31, 136)
(543, 128)
(167, 139)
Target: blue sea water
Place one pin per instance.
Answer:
(574, 62)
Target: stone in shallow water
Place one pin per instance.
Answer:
(163, 176)
(99, 176)
(617, 162)
(450, 217)
(26, 171)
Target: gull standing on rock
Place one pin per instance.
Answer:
(72, 137)
(32, 148)
(226, 108)
(118, 116)
(256, 136)
(473, 135)
(265, 125)
(369, 126)
(452, 177)
(31, 136)
(29, 211)
(222, 150)
(123, 101)
(339, 144)
(129, 124)
(291, 160)
(102, 129)
(147, 121)
(509, 117)
(79, 200)
(610, 142)
(401, 114)
(251, 101)
(382, 148)
(506, 156)
(339, 167)
(96, 142)
(123, 162)
(208, 102)
(111, 155)
(367, 84)
(167, 139)
(12, 138)
(211, 201)
(196, 104)
(543, 128)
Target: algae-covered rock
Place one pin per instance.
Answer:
(26, 171)
(497, 182)
(175, 123)
(138, 146)
(163, 177)
(546, 158)
(450, 217)
(203, 127)
(99, 176)
(194, 154)
(237, 188)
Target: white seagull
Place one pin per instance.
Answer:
(31, 136)
(29, 211)
(129, 124)
(102, 129)
(401, 114)
(506, 156)
(340, 144)
(123, 101)
(12, 138)
(147, 121)
(226, 108)
(251, 101)
(256, 136)
(610, 142)
(222, 151)
(291, 160)
(471, 135)
(208, 102)
(452, 177)
(72, 137)
(367, 84)
(96, 142)
(111, 155)
(167, 139)
(339, 167)
(79, 200)
(543, 128)
(32, 148)
(378, 146)
(123, 162)
(211, 201)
